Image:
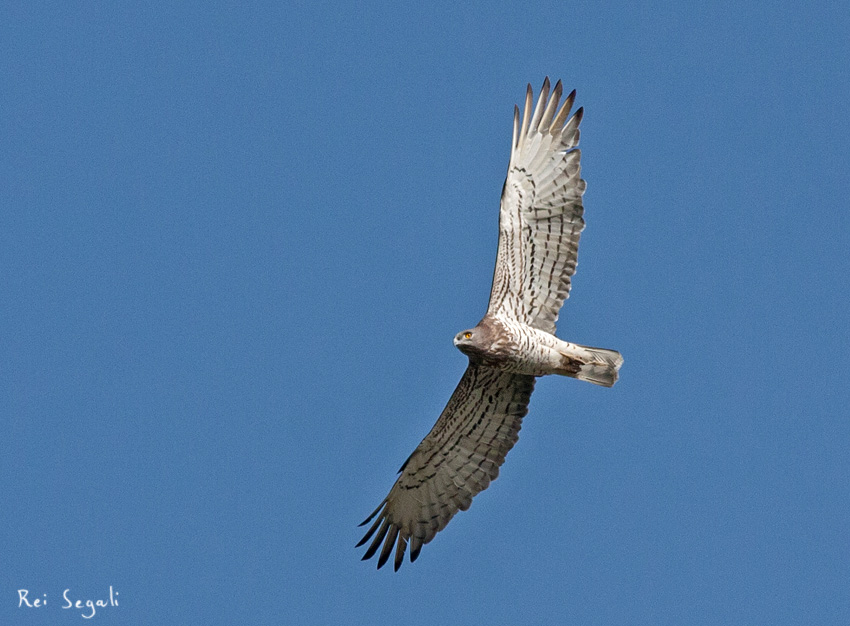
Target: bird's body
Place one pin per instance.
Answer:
(540, 222)
(518, 348)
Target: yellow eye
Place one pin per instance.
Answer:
(467, 335)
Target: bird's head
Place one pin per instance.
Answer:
(473, 342)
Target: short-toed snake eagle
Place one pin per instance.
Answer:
(540, 222)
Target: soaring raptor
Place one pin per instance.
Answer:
(540, 222)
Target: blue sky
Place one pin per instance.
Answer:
(236, 242)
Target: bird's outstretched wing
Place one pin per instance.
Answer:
(541, 213)
(455, 461)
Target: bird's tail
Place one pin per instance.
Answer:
(595, 365)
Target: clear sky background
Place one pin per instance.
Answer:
(236, 241)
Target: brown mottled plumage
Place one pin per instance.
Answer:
(540, 223)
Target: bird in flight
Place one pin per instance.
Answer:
(540, 222)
